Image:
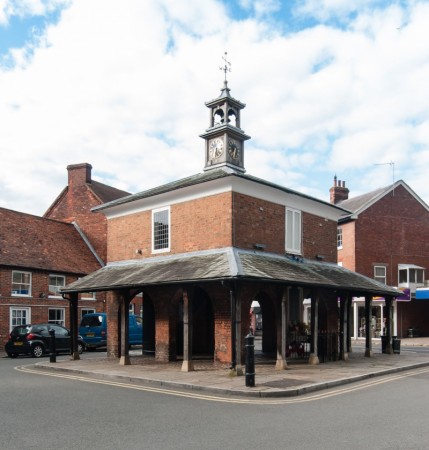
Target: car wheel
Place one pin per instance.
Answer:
(12, 355)
(37, 350)
(80, 348)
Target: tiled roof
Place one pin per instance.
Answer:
(33, 242)
(360, 203)
(106, 193)
(357, 203)
(228, 263)
(209, 175)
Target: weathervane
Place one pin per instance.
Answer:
(227, 67)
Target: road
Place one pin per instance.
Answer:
(50, 412)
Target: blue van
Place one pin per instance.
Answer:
(93, 329)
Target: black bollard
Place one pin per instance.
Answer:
(250, 360)
(53, 350)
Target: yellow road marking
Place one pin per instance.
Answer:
(260, 401)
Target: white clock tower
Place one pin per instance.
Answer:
(224, 138)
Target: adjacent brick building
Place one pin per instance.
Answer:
(386, 237)
(39, 255)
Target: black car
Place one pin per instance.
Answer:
(36, 340)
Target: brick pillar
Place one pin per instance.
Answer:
(162, 332)
(222, 324)
(112, 310)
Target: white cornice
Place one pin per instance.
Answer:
(226, 184)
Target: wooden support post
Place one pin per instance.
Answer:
(124, 359)
(368, 331)
(187, 365)
(314, 358)
(389, 317)
(350, 322)
(74, 329)
(281, 363)
(343, 329)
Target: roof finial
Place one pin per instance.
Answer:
(227, 67)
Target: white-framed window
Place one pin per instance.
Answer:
(56, 282)
(84, 311)
(161, 230)
(57, 315)
(293, 231)
(88, 296)
(21, 283)
(380, 274)
(19, 316)
(339, 238)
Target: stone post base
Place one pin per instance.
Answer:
(75, 356)
(187, 366)
(281, 364)
(314, 359)
(124, 361)
(368, 353)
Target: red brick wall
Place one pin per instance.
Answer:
(319, 237)
(76, 206)
(207, 224)
(392, 231)
(195, 225)
(258, 222)
(346, 255)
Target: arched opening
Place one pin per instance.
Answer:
(232, 117)
(218, 117)
(266, 326)
(203, 325)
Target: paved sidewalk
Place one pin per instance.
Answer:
(298, 379)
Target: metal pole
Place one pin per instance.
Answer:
(250, 360)
(53, 351)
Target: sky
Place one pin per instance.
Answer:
(331, 87)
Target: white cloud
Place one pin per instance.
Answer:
(124, 89)
(25, 8)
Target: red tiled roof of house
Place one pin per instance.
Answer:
(106, 193)
(34, 242)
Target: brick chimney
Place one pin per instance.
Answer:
(79, 174)
(338, 191)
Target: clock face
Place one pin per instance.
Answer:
(234, 149)
(215, 148)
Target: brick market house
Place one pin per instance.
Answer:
(201, 249)
(39, 255)
(386, 237)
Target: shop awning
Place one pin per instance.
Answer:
(422, 293)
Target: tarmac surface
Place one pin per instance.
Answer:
(299, 378)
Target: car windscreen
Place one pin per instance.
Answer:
(91, 321)
(20, 331)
